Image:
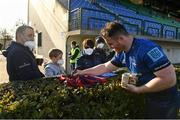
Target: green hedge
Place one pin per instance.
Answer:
(177, 67)
(48, 98)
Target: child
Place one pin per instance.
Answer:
(54, 67)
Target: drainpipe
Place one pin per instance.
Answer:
(28, 12)
(69, 2)
(67, 39)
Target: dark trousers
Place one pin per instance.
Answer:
(72, 67)
(162, 109)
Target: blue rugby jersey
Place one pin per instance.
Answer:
(144, 58)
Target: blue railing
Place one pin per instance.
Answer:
(90, 19)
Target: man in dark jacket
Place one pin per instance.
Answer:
(21, 63)
(99, 51)
(88, 58)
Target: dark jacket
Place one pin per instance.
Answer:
(21, 63)
(88, 61)
(101, 56)
(111, 55)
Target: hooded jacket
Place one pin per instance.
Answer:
(88, 61)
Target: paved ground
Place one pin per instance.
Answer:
(3, 73)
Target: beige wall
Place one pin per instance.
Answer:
(51, 19)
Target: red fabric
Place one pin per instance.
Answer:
(82, 81)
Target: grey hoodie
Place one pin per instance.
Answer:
(53, 69)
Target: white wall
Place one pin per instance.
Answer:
(50, 18)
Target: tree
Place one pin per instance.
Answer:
(4, 37)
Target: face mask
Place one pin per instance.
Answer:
(88, 51)
(60, 62)
(100, 45)
(30, 45)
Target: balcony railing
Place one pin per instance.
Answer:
(90, 19)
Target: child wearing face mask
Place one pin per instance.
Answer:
(88, 58)
(54, 66)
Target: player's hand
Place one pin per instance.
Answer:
(78, 72)
(131, 88)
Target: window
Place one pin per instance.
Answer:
(40, 39)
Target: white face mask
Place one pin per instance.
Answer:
(30, 45)
(100, 45)
(88, 51)
(60, 62)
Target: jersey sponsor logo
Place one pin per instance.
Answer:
(155, 54)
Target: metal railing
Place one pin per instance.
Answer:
(82, 18)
